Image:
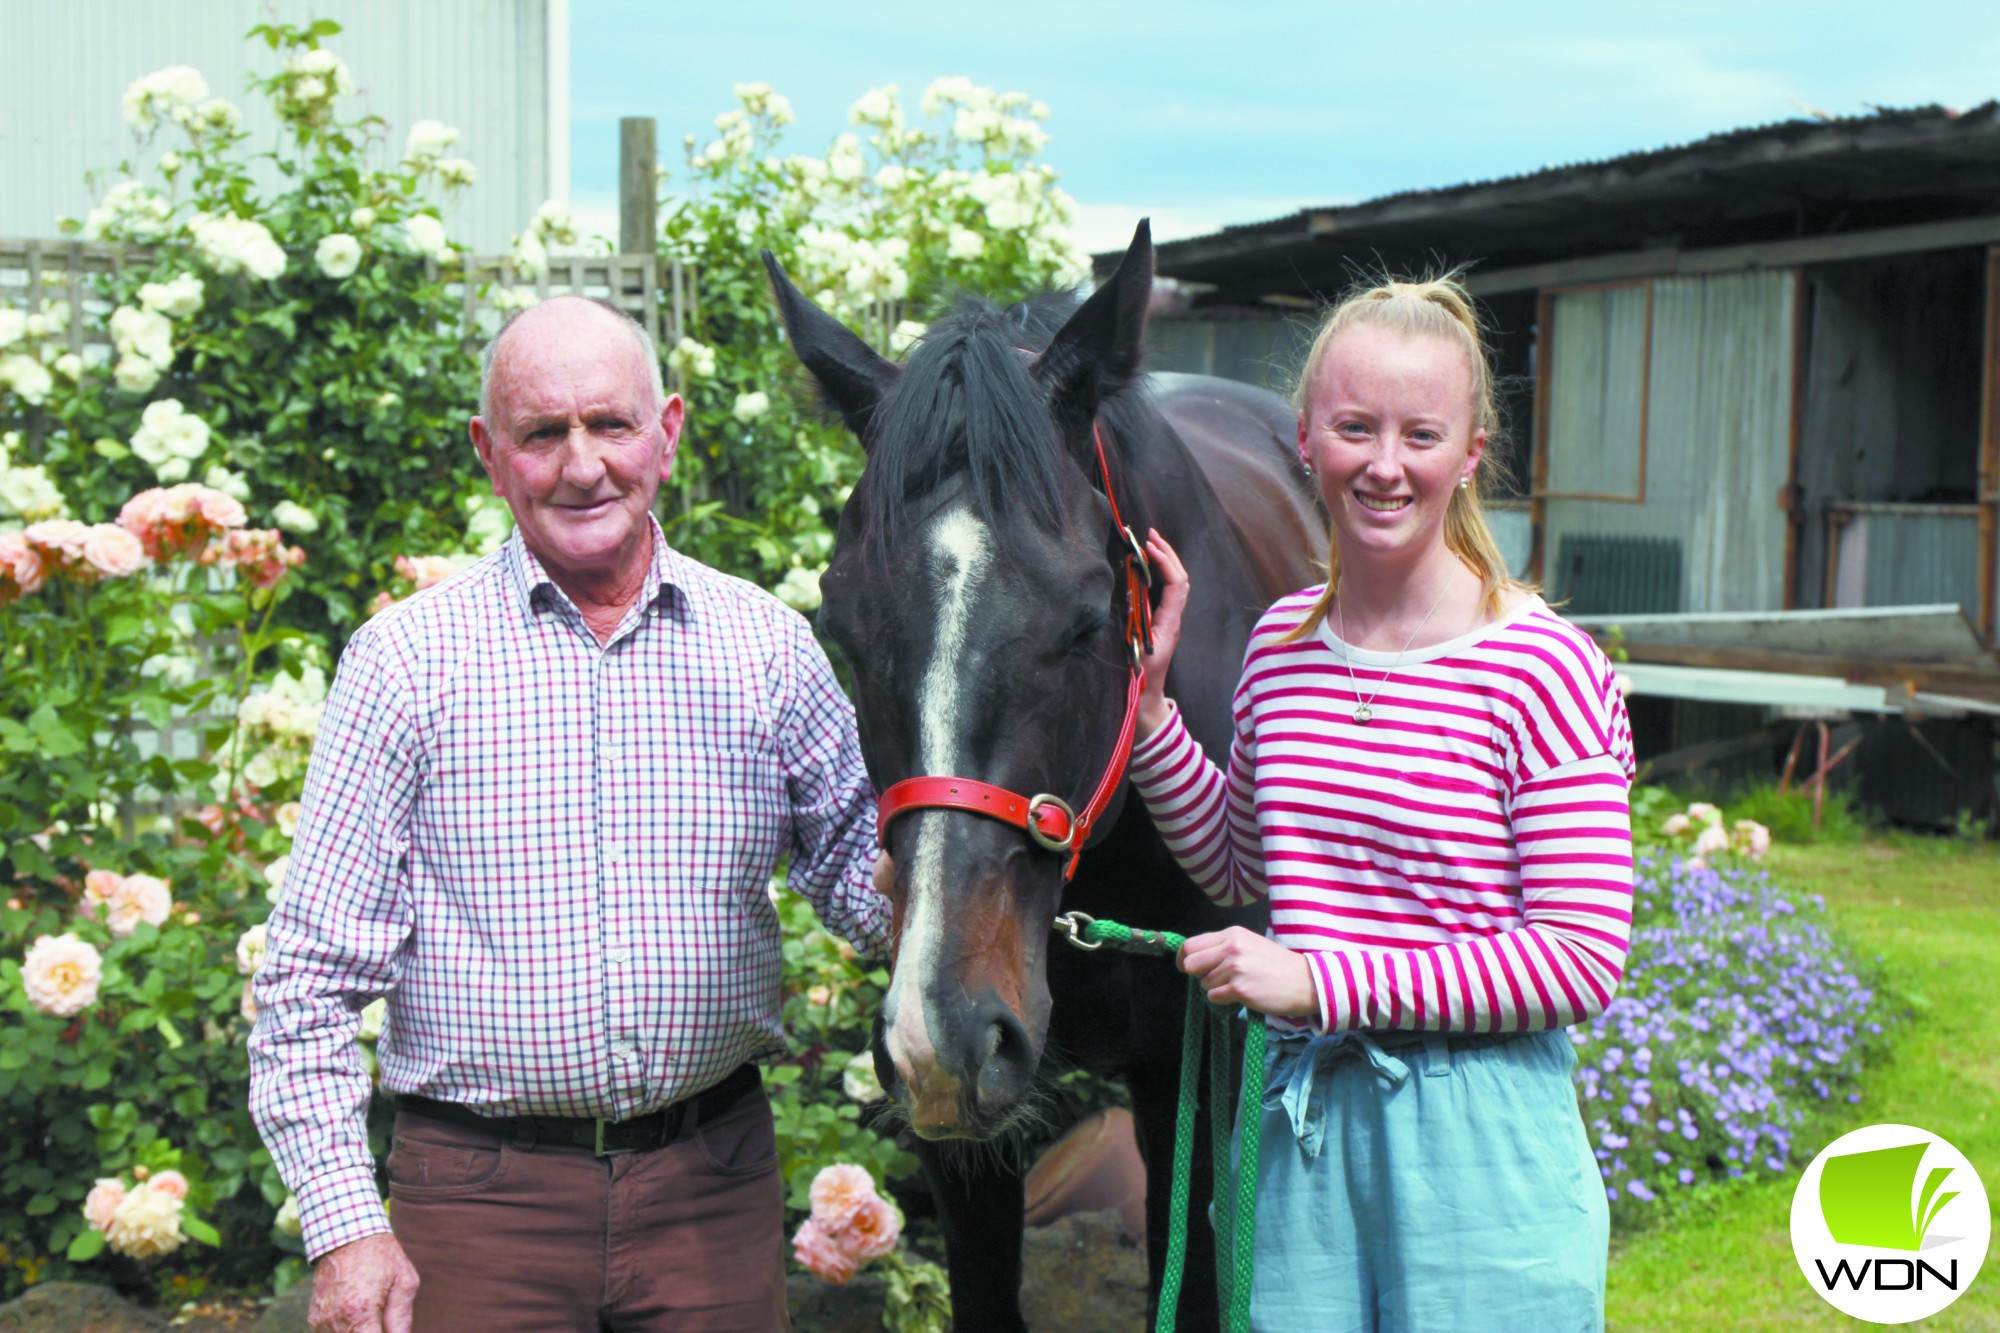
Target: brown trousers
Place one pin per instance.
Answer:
(688, 1238)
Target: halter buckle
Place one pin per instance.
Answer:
(1138, 551)
(1037, 802)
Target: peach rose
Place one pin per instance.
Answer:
(100, 888)
(139, 898)
(1752, 839)
(822, 1255)
(20, 567)
(61, 975)
(102, 1201)
(874, 1231)
(59, 541)
(838, 1193)
(112, 551)
(170, 1182)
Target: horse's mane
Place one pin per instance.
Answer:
(966, 405)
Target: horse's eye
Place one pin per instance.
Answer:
(1087, 627)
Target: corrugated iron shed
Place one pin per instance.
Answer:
(1793, 179)
(496, 69)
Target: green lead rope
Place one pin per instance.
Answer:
(1235, 1191)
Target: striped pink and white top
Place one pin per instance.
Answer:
(1460, 863)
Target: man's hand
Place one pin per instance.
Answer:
(1238, 966)
(365, 1286)
(885, 876)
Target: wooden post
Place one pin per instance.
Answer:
(638, 185)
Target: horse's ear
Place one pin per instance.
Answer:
(850, 372)
(1097, 352)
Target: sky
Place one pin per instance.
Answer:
(1200, 115)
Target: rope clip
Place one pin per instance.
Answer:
(1075, 927)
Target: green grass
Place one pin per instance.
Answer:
(1930, 908)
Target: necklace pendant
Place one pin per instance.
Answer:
(1363, 713)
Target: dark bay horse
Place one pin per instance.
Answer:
(976, 591)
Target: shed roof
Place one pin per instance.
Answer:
(1797, 178)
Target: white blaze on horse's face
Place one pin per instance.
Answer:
(960, 553)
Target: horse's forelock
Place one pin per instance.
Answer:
(967, 407)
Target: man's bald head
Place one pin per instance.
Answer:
(548, 317)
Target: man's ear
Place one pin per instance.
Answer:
(852, 375)
(482, 444)
(1097, 352)
(672, 416)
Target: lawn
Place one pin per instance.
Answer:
(1930, 908)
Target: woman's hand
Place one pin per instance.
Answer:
(1166, 631)
(1238, 966)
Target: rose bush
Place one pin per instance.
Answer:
(269, 442)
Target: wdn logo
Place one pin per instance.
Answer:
(1890, 1223)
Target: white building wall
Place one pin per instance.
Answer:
(496, 69)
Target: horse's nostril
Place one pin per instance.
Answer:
(1007, 1059)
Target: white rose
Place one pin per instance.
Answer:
(217, 116)
(287, 1220)
(964, 243)
(29, 493)
(799, 589)
(338, 255)
(170, 163)
(13, 326)
(231, 484)
(361, 219)
(428, 141)
(69, 365)
(426, 234)
(845, 161)
(750, 406)
(294, 517)
(250, 950)
(372, 1018)
(177, 298)
(456, 172)
(239, 245)
(905, 335)
(143, 333)
(28, 377)
(135, 374)
(147, 1223)
(274, 875)
(529, 256)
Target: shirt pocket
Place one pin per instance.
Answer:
(725, 815)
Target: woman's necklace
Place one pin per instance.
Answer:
(1362, 712)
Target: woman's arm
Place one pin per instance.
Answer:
(1208, 819)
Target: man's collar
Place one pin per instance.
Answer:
(531, 580)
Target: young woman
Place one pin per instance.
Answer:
(1429, 784)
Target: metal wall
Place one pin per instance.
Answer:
(1261, 350)
(1597, 383)
(1906, 555)
(1718, 439)
(488, 67)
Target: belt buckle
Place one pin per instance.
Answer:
(597, 1147)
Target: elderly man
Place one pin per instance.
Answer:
(544, 805)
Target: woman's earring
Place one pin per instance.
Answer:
(1465, 483)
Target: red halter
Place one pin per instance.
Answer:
(1045, 818)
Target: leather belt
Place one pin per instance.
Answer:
(641, 1133)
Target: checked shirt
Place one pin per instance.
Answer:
(552, 856)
